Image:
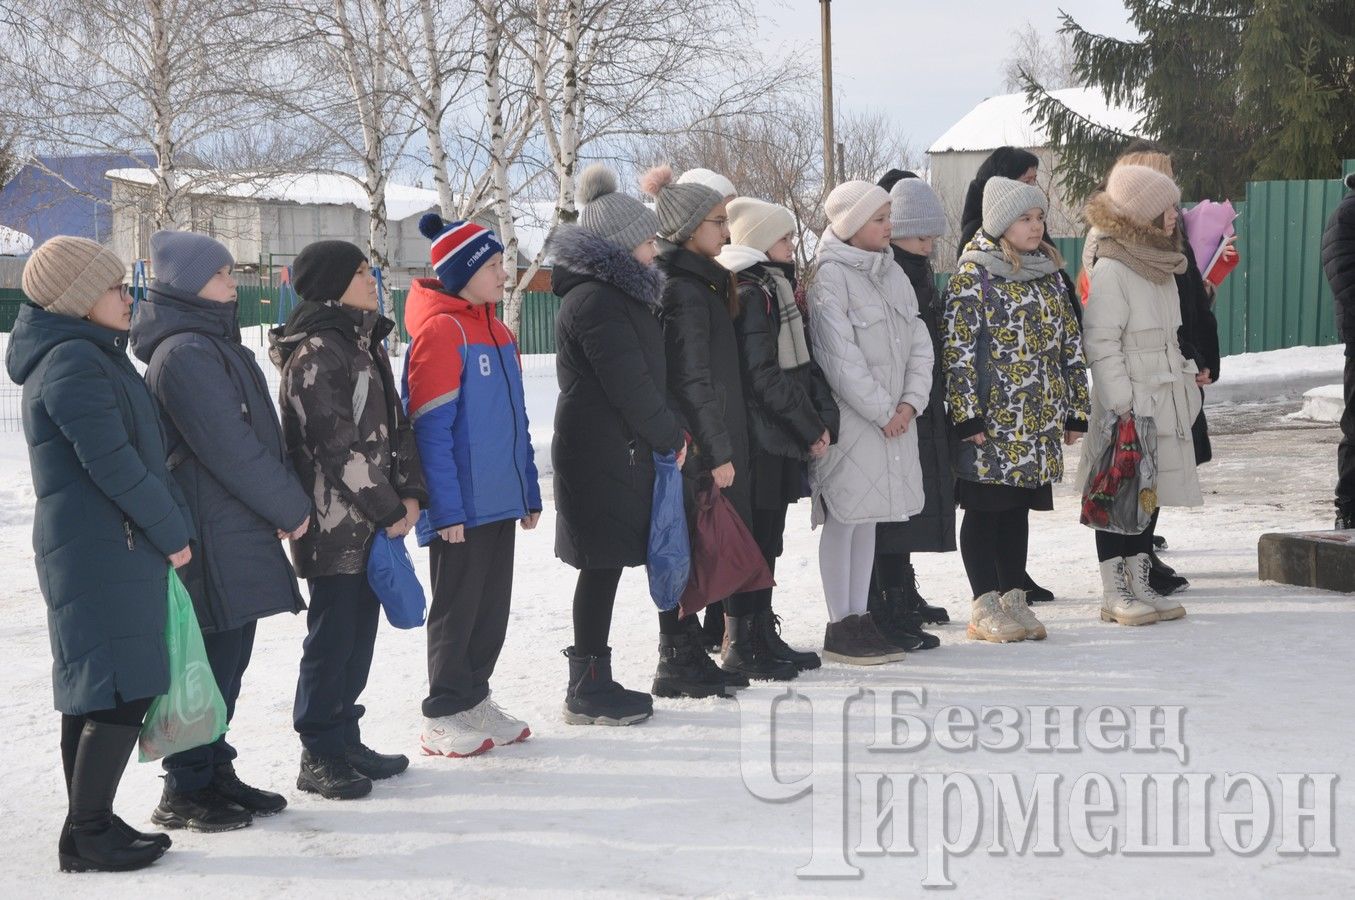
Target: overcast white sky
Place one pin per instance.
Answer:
(925, 62)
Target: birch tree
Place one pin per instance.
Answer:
(149, 80)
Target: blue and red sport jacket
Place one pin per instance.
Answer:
(463, 393)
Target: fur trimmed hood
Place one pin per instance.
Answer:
(1102, 215)
(581, 256)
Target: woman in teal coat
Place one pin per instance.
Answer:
(108, 523)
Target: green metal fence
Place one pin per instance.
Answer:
(1277, 296)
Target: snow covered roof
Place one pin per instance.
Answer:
(1003, 121)
(307, 188)
(14, 243)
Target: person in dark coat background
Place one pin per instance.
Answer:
(227, 453)
(792, 417)
(1338, 263)
(916, 220)
(613, 414)
(108, 522)
(353, 448)
(699, 306)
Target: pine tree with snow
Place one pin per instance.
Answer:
(1237, 89)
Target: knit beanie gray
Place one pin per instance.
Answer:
(1005, 200)
(915, 210)
(680, 207)
(187, 261)
(611, 215)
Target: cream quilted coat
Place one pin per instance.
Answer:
(876, 354)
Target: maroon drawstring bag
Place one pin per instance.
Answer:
(725, 558)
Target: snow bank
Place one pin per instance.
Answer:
(1324, 404)
(1277, 374)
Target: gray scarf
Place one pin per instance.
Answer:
(792, 350)
(1033, 265)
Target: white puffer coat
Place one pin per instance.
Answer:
(876, 353)
(1129, 333)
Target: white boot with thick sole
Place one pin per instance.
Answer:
(989, 621)
(1137, 567)
(1118, 603)
(1015, 606)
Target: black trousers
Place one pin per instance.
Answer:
(1345, 451)
(993, 546)
(769, 527)
(126, 712)
(335, 661)
(229, 653)
(594, 599)
(468, 618)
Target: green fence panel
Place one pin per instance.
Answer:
(10, 301)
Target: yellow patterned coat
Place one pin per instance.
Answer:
(1015, 372)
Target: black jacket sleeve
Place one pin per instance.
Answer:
(686, 335)
(781, 395)
(612, 348)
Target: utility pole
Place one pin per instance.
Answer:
(829, 169)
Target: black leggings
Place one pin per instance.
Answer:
(1114, 546)
(993, 546)
(127, 712)
(891, 571)
(594, 597)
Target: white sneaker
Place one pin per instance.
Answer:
(498, 724)
(456, 736)
(1137, 567)
(1118, 603)
(1015, 606)
(989, 621)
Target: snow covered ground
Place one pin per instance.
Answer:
(1263, 673)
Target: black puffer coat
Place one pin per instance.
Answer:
(933, 529)
(704, 374)
(227, 454)
(787, 410)
(613, 411)
(1338, 262)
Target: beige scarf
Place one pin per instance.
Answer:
(1155, 264)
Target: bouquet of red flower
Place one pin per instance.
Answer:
(1120, 494)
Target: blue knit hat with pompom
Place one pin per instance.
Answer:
(459, 249)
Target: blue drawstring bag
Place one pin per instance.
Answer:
(390, 572)
(669, 557)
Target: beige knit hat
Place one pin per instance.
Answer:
(757, 223)
(67, 275)
(1141, 193)
(851, 204)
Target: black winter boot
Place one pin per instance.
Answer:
(593, 698)
(888, 610)
(203, 811)
(1160, 543)
(1163, 578)
(931, 615)
(746, 653)
(685, 670)
(331, 777)
(376, 766)
(768, 625)
(733, 680)
(713, 631)
(155, 837)
(258, 802)
(90, 842)
(1035, 593)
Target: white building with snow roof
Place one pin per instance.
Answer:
(955, 157)
(266, 221)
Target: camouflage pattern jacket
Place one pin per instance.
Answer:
(346, 433)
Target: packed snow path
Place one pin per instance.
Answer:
(1263, 671)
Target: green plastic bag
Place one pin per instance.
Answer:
(192, 712)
